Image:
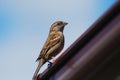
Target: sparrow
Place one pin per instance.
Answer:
(53, 45)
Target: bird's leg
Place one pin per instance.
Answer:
(54, 59)
(50, 64)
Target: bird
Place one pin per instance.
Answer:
(53, 45)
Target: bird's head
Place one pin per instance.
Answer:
(58, 26)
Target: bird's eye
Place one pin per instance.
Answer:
(59, 23)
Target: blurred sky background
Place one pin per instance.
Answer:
(24, 27)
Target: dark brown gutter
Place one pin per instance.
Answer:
(82, 41)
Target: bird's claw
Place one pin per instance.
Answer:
(49, 65)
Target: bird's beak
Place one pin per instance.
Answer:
(65, 23)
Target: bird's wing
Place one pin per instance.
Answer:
(53, 39)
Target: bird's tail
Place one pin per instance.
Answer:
(41, 62)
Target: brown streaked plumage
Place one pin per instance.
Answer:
(53, 45)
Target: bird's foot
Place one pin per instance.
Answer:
(50, 65)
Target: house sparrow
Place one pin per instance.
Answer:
(53, 45)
